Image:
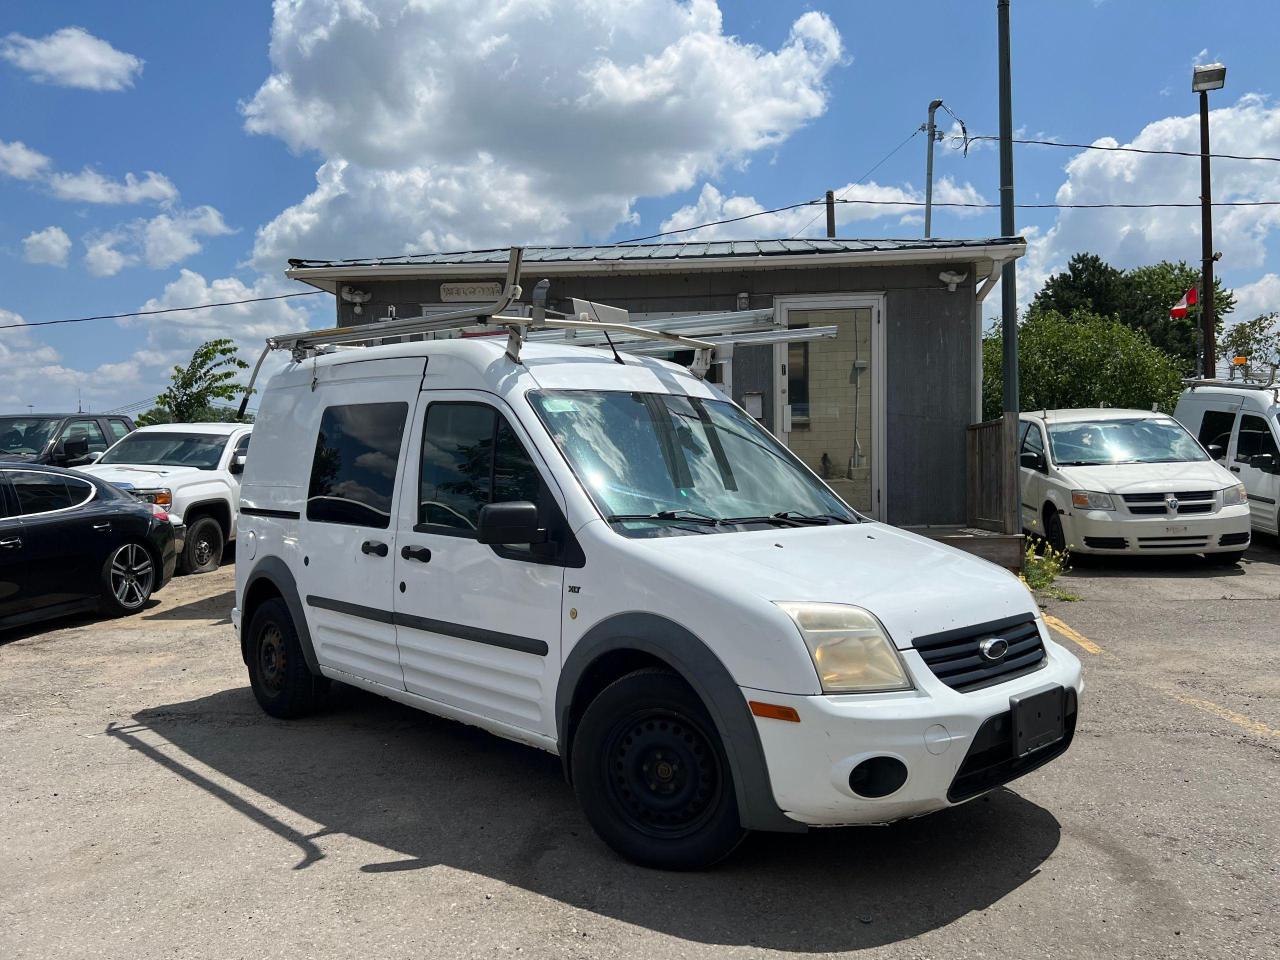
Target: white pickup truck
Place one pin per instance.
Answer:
(192, 470)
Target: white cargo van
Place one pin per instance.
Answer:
(599, 555)
(1239, 424)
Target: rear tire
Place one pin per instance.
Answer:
(651, 775)
(1224, 559)
(202, 552)
(128, 579)
(282, 683)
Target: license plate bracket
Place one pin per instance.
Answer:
(1178, 529)
(1038, 719)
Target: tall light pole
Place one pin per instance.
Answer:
(930, 129)
(1209, 76)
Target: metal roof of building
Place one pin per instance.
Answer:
(639, 252)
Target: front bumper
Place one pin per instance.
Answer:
(932, 730)
(1112, 531)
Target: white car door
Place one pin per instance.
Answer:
(478, 625)
(348, 526)
(1032, 480)
(1254, 439)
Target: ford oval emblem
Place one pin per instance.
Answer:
(993, 648)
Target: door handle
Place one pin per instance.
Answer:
(421, 554)
(1234, 469)
(375, 547)
(105, 525)
(11, 543)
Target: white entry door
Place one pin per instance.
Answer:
(478, 626)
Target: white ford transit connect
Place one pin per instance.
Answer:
(604, 558)
(1239, 424)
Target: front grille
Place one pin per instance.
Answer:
(955, 657)
(1153, 504)
(990, 760)
(1162, 511)
(1159, 497)
(1233, 539)
(1106, 543)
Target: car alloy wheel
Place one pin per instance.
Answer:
(132, 576)
(203, 552)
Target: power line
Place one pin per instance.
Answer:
(879, 163)
(1063, 206)
(1119, 149)
(149, 313)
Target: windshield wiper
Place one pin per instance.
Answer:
(675, 516)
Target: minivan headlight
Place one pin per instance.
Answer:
(1089, 500)
(1234, 495)
(850, 649)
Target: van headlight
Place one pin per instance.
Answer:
(850, 648)
(1089, 500)
(1234, 496)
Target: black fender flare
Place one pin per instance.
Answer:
(277, 572)
(694, 661)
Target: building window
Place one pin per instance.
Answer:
(353, 474)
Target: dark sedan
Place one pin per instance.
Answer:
(70, 543)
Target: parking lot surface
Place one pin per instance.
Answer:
(151, 810)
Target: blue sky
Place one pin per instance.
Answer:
(591, 121)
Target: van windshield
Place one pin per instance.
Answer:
(1122, 441)
(168, 449)
(657, 464)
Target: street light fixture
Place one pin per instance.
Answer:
(1206, 77)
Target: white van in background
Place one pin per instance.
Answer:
(1110, 481)
(1239, 424)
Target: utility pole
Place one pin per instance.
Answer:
(1008, 277)
(831, 213)
(1206, 77)
(930, 129)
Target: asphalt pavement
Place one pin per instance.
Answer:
(149, 809)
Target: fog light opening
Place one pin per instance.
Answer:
(877, 777)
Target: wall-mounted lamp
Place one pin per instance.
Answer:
(356, 297)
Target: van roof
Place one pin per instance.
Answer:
(1263, 397)
(1088, 414)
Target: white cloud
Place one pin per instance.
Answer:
(159, 242)
(1258, 298)
(72, 57)
(50, 245)
(90, 186)
(871, 201)
(1127, 237)
(458, 125)
(20, 161)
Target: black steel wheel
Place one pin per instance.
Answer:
(651, 774)
(282, 683)
(1053, 532)
(128, 578)
(202, 552)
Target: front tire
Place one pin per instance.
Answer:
(1053, 532)
(128, 578)
(202, 552)
(282, 683)
(651, 775)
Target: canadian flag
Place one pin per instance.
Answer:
(1179, 309)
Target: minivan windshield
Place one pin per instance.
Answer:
(1091, 444)
(657, 463)
(25, 436)
(169, 449)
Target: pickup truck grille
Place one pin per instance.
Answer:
(956, 658)
(1153, 504)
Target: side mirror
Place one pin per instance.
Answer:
(1266, 462)
(1217, 451)
(514, 523)
(72, 449)
(238, 462)
(1033, 461)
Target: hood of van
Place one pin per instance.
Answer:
(142, 476)
(1122, 478)
(915, 586)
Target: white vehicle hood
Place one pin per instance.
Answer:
(1122, 478)
(914, 585)
(145, 476)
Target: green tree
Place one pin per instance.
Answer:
(1139, 298)
(1258, 340)
(1083, 360)
(210, 376)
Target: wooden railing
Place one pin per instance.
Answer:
(991, 484)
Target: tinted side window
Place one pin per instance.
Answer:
(471, 456)
(119, 429)
(1033, 442)
(1216, 428)
(353, 473)
(40, 492)
(1255, 438)
(242, 445)
(89, 430)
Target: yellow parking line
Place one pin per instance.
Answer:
(1075, 637)
(1256, 727)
